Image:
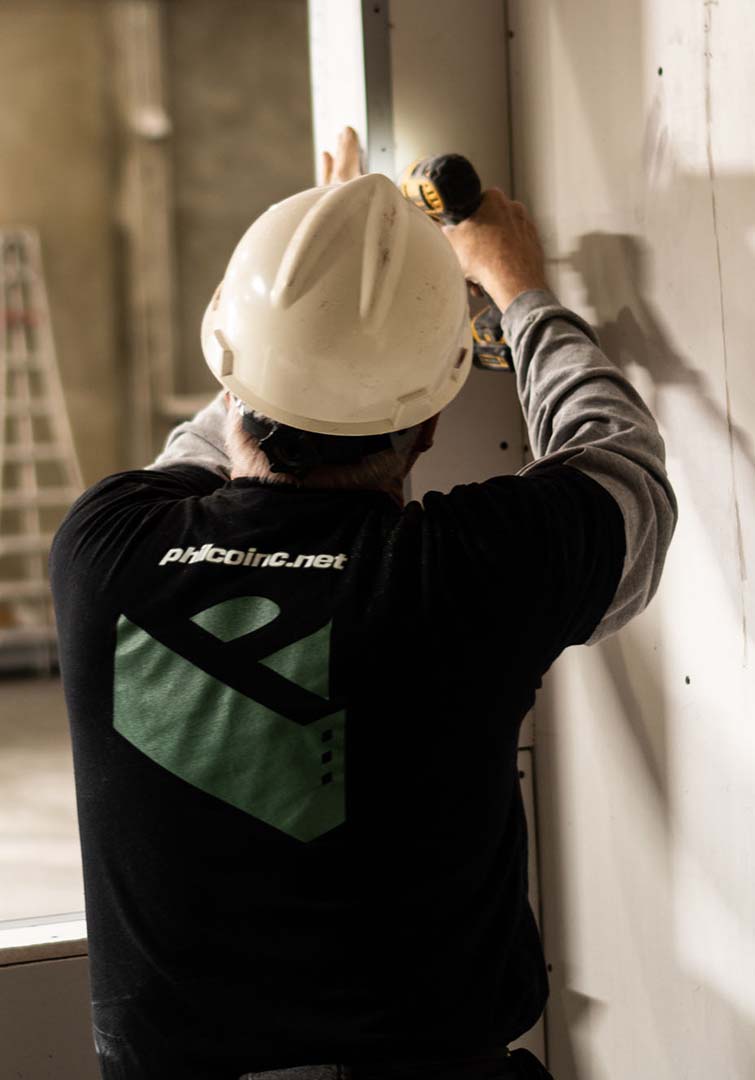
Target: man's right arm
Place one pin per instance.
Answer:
(579, 407)
(582, 411)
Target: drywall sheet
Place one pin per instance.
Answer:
(634, 146)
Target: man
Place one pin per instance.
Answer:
(295, 702)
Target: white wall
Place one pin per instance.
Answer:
(644, 186)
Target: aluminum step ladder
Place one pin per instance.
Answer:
(40, 474)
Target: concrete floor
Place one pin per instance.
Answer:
(40, 861)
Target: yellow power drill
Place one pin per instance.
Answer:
(447, 189)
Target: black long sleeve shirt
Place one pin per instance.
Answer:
(294, 716)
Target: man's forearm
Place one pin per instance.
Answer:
(199, 441)
(580, 409)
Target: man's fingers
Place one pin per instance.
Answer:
(327, 167)
(347, 155)
(345, 164)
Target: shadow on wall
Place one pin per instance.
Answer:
(615, 272)
(613, 268)
(643, 108)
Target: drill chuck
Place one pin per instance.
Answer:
(445, 187)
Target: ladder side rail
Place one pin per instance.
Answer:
(21, 311)
(44, 351)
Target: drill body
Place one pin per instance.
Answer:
(447, 189)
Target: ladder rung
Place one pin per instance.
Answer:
(18, 234)
(25, 545)
(53, 496)
(24, 590)
(37, 452)
(36, 407)
(27, 635)
(33, 362)
(21, 272)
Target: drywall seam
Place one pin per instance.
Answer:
(708, 6)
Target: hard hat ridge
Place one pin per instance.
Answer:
(384, 212)
(386, 233)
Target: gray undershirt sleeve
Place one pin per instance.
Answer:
(581, 410)
(199, 441)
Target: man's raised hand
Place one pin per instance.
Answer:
(499, 248)
(346, 164)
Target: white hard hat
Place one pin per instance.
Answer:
(343, 310)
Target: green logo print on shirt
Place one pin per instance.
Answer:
(288, 774)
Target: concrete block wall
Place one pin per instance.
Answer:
(237, 87)
(239, 97)
(55, 142)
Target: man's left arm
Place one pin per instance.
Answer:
(199, 441)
